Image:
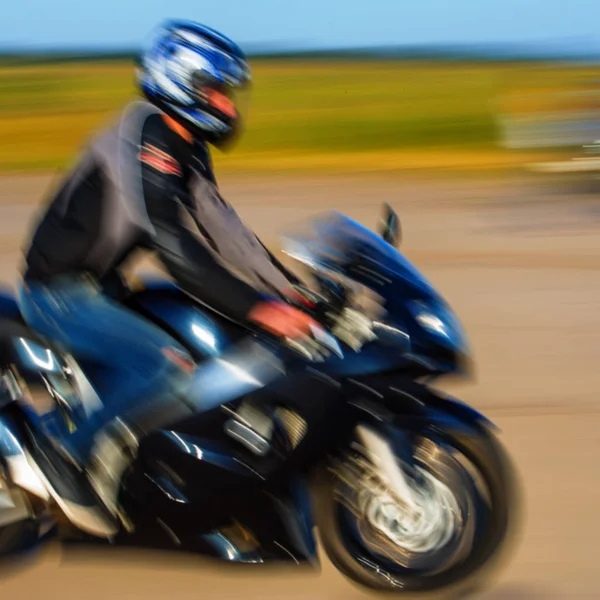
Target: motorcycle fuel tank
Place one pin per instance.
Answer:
(202, 331)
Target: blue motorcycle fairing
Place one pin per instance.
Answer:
(178, 314)
(189, 477)
(392, 396)
(195, 326)
(338, 243)
(341, 245)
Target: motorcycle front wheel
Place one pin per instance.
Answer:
(452, 540)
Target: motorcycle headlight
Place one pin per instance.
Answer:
(439, 320)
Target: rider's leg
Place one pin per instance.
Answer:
(144, 364)
(142, 361)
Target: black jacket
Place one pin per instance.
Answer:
(141, 185)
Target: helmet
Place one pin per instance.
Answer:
(198, 77)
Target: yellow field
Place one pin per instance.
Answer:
(341, 116)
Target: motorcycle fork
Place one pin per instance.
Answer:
(388, 448)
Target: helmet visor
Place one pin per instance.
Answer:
(220, 98)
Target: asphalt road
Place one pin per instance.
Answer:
(521, 265)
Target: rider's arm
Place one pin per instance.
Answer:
(291, 277)
(222, 227)
(186, 259)
(198, 273)
(205, 168)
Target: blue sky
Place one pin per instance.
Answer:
(304, 23)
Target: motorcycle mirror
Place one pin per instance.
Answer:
(391, 230)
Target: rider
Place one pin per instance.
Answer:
(147, 183)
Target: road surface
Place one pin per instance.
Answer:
(521, 265)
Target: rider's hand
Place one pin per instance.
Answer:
(353, 327)
(281, 319)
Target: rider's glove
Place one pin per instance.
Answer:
(352, 327)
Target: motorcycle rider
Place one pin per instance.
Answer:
(147, 183)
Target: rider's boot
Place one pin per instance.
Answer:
(83, 472)
(64, 475)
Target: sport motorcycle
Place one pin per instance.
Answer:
(342, 432)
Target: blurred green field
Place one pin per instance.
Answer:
(303, 115)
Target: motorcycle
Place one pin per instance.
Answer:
(410, 489)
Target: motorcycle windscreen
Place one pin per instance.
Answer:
(335, 242)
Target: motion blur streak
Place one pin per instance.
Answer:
(328, 115)
(493, 169)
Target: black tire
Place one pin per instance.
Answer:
(493, 464)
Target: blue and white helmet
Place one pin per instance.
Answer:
(196, 75)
